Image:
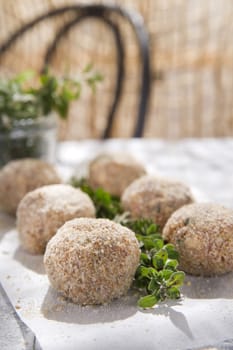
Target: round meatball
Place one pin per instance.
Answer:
(154, 198)
(203, 236)
(114, 172)
(19, 177)
(42, 211)
(92, 261)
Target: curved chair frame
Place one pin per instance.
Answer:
(102, 12)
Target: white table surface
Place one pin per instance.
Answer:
(203, 317)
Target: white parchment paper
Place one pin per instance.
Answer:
(203, 316)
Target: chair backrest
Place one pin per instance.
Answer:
(103, 13)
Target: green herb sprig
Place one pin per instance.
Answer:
(157, 276)
(107, 206)
(21, 101)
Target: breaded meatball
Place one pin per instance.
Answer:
(92, 261)
(114, 172)
(42, 211)
(19, 177)
(203, 236)
(155, 198)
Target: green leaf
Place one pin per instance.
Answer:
(176, 279)
(92, 81)
(71, 89)
(158, 244)
(165, 274)
(140, 238)
(173, 293)
(144, 227)
(140, 284)
(153, 228)
(148, 243)
(146, 272)
(107, 206)
(148, 301)
(24, 76)
(159, 259)
(171, 264)
(145, 259)
(157, 262)
(88, 68)
(153, 285)
(62, 106)
(171, 250)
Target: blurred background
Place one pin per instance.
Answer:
(191, 52)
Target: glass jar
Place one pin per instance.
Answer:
(29, 138)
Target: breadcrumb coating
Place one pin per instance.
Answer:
(114, 172)
(42, 211)
(203, 236)
(19, 177)
(92, 261)
(155, 198)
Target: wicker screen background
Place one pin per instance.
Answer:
(191, 51)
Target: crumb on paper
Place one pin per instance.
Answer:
(58, 308)
(26, 277)
(62, 299)
(55, 308)
(17, 306)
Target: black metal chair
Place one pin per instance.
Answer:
(104, 13)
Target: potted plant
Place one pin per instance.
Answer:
(27, 123)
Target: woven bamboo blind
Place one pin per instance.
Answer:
(191, 56)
